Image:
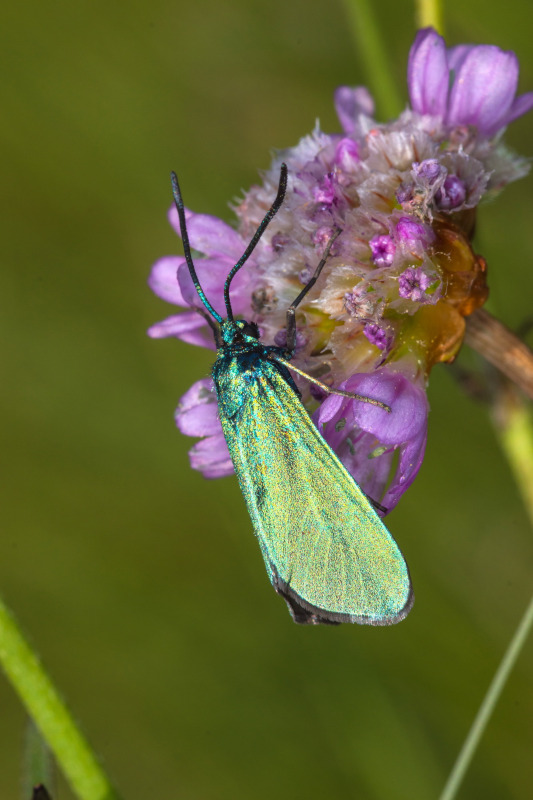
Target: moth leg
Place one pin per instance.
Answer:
(328, 389)
(291, 311)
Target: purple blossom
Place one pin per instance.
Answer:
(459, 182)
(325, 191)
(279, 241)
(365, 437)
(377, 335)
(429, 170)
(383, 249)
(404, 193)
(361, 302)
(321, 237)
(347, 155)
(465, 85)
(451, 194)
(351, 105)
(413, 284)
(410, 232)
(280, 339)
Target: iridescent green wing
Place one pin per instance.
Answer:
(325, 548)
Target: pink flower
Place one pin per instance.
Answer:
(465, 85)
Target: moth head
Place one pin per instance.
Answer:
(238, 331)
(248, 328)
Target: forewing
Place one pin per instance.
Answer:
(326, 550)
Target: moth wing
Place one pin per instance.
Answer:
(326, 550)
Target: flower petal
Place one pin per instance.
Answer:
(521, 106)
(211, 457)
(212, 274)
(483, 89)
(330, 408)
(350, 103)
(365, 436)
(457, 54)
(190, 327)
(197, 412)
(163, 280)
(428, 74)
(209, 235)
(407, 402)
(411, 457)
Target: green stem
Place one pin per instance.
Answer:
(374, 55)
(513, 423)
(487, 706)
(429, 13)
(35, 689)
(38, 761)
(516, 437)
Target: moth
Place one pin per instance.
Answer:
(326, 550)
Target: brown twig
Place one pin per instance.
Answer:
(501, 347)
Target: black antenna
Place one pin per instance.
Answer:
(187, 248)
(274, 208)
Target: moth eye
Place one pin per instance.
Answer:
(251, 329)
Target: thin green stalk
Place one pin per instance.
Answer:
(373, 53)
(516, 437)
(429, 13)
(38, 763)
(72, 752)
(487, 706)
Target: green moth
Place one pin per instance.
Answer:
(327, 552)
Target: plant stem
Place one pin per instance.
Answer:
(38, 762)
(429, 13)
(36, 691)
(487, 706)
(374, 56)
(513, 424)
(515, 432)
(501, 347)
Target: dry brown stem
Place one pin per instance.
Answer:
(501, 347)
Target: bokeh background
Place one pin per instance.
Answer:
(140, 583)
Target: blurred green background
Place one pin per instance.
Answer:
(140, 583)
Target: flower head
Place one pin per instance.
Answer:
(399, 199)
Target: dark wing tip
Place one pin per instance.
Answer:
(304, 613)
(301, 615)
